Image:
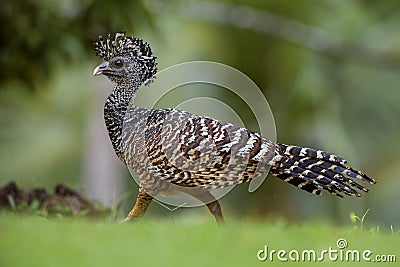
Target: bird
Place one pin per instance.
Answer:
(173, 150)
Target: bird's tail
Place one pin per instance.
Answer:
(312, 170)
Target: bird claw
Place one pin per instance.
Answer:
(127, 219)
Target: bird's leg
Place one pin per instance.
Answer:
(207, 198)
(215, 209)
(143, 200)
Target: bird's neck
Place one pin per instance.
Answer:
(114, 112)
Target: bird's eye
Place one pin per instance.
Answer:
(118, 64)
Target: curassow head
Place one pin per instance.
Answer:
(127, 59)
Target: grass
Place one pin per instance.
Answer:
(38, 241)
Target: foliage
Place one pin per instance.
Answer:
(41, 35)
(344, 99)
(194, 241)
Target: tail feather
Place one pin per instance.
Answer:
(313, 170)
(304, 152)
(329, 170)
(300, 183)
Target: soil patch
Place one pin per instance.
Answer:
(64, 200)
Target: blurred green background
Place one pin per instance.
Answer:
(329, 70)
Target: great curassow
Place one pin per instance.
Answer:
(193, 154)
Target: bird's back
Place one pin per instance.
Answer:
(191, 150)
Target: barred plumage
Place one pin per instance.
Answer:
(312, 170)
(172, 147)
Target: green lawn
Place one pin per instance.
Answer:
(38, 241)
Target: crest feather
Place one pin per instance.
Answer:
(127, 46)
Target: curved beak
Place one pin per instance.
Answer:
(100, 69)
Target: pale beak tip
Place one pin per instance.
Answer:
(99, 69)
